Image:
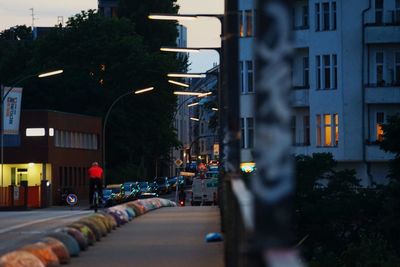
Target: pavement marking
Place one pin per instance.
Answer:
(5, 230)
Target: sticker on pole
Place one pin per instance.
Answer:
(72, 199)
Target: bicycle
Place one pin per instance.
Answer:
(96, 199)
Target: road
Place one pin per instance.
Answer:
(165, 237)
(21, 227)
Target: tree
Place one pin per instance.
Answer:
(104, 58)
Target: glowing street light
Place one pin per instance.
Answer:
(180, 49)
(171, 17)
(194, 119)
(193, 104)
(143, 90)
(187, 93)
(204, 94)
(214, 109)
(178, 83)
(186, 75)
(51, 73)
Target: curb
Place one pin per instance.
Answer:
(68, 241)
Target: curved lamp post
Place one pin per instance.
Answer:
(3, 97)
(136, 92)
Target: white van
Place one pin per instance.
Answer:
(205, 191)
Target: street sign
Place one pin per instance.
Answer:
(16, 192)
(72, 199)
(178, 162)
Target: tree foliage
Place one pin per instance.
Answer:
(343, 223)
(102, 58)
(391, 143)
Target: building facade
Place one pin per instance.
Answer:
(51, 154)
(346, 73)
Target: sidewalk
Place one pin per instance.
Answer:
(164, 237)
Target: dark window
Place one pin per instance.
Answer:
(306, 72)
(243, 139)
(397, 67)
(249, 65)
(241, 77)
(327, 72)
(335, 78)
(318, 63)
(317, 17)
(325, 7)
(379, 12)
(60, 173)
(334, 16)
(305, 22)
(250, 132)
(293, 129)
(306, 125)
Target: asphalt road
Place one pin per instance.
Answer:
(165, 237)
(21, 227)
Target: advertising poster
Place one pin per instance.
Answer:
(12, 110)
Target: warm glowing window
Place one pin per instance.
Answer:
(241, 29)
(380, 119)
(328, 129)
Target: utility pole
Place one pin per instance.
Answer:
(273, 185)
(33, 17)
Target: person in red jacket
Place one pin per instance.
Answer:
(95, 174)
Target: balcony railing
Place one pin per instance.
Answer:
(301, 87)
(301, 144)
(383, 84)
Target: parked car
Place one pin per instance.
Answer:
(132, 190)
(154, 187)
(147, 195)
(113, 194)
(163, 185)
(173, 181)
(143, 187)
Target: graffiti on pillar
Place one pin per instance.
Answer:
(274, 178)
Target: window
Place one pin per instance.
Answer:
(336, 120)
(319, 131)
(379, 12)
(243, 145)
(241, 77)
(334, 20)
(380, 119)
(328, 129)
(397, 13)
(317, 17)
(327, 72)
(318, 61)
(328, 134)
(397, 67)
(305, 22)
(327, 75)
(379, 58)
(334, 59)
(306, 71)
(306, 127)
(325, 10)
(250, 132)
(293, 129)
(249, 65)
(249, 23)
(241, 29)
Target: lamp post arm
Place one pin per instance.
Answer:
(104, 129)
(14, 85)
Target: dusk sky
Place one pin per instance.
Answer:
(201, 33)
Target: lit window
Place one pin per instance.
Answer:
(51, 131)
(380, 120)
(241, 32)
(328, 129)
(336, 118)
(35, 132)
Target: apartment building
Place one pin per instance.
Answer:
(346, 80)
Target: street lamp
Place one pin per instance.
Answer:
(187, 93)
(3, 98)
(179, 83)
(136, 92)
(186, 75)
